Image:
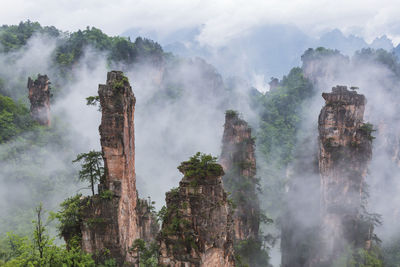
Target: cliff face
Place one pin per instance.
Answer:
(39, 96)
(197, 226)
(110, 219)
(345, 151)
(239, 163)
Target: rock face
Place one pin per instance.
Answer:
(239, 163)
(345, 151)
(197, 225)
(110, 219)
(147, 221)
(39, 96)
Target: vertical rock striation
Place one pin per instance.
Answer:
(39, 96)
(239, 163)
(110, 220)
(197, 225)
(345, 151)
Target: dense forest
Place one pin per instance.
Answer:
(46, 171)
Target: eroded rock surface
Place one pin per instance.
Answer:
(345, 151)
(110, 220)
(239, 163)
(197, 226)
(147, 220)
(39, 96)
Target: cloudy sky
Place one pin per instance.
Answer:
(221, 20)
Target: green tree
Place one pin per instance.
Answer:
(146, 254)
(92, 169)
(41, 250)
(39, 234)
(201, 165)
(14, 36)
(69, 218)
(14, 118)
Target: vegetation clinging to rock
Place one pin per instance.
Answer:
(201, 165)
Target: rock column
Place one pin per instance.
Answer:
(197, 226)
(239, 163)
(110, 219)
(345, 151)
(39, 96)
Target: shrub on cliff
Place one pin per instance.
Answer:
(92, 169)
(69, 217)
(201, 166)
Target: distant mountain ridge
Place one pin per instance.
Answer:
(270, 50)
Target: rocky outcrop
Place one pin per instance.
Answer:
(197, 223)
(147, 220)
(110, 221)
(345, 151)
(239, 163)
(39, 96)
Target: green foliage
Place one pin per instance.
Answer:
(92, 222)
(318, 54)
(281, 116)
(146, 254)
(379, 56)
(201, 166)
(359, 258)
(281, 112)
(174, 191)
(119, 49)
(41, 250)
(251, 253)
(148, 204)
(72, 45)
(173, 221)
(108, 263)
(391, 252)
(92, 100)
(14, 119)
(367, 129)
(177, 229)
(69, 217)
(368, 258)
(14, 36)
(29, 162)
(92, 169)
(120, 84)
(106, 194)
(162, 214)
(231, 113)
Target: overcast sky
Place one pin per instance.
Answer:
(221, 19)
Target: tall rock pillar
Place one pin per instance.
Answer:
(239, 163)
(197, 223)
(344, 154)
(39, 96)
(110, 220)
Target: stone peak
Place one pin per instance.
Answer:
(115, 75)
(342, 89)
(232, 118)
(340, 94)
(40, 82)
